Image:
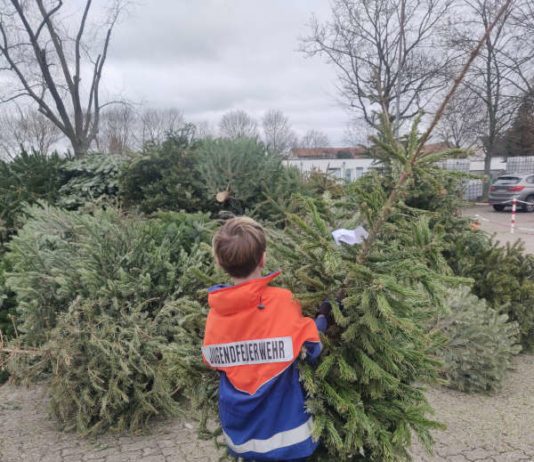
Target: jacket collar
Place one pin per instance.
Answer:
(231, 299)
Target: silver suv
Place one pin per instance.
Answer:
(506, 187)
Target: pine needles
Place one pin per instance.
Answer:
(480, 343)
(362, 394)
(103, 301)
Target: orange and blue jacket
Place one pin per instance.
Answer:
(254, 336)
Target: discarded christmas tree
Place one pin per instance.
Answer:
(480, 343)
(363, 395)
(101, 303)
(503, 276)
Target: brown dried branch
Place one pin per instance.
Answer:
(7, 353)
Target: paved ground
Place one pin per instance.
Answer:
(480, 428)
(28, 435)
(499, 223)
(494, 428)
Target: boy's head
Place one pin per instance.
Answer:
(239, 246)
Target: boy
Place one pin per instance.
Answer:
(254, 336)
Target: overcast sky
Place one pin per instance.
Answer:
(206, 57)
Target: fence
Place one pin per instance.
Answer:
(457, 165)
(520, 164)
(472, 189)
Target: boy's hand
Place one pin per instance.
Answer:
(325, 308)
(323, 317)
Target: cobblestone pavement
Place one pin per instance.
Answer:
(494, 428)
(28, 435)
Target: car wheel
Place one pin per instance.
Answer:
(498, 207)
(529, 207)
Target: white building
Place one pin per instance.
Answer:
(351, 163)
(348, 169)
(344, 163)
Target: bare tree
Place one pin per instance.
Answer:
(314, 139)
(117, 130)
(204, 130)
(51, 63)
(238, 124)
(27, 129)
(358, 132)
(387, 54)
(278, 135)
(504, 69)
(524, 18)
(463, 120)
(157, 124)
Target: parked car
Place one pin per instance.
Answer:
(506, 187)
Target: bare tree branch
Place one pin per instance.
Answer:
(504, 69)
(383, 56)
(48, 63)
(40, 55)
(238, 124)
(46, 17)
(278, 134)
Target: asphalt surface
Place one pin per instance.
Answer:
(499, 224)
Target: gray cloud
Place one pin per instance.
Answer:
(206, 57)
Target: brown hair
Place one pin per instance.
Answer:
(238, 246)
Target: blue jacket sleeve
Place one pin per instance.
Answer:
(313, 349)
(322, 323)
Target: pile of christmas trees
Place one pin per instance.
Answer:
(111, 307)
(398, 322)
(96, 296)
